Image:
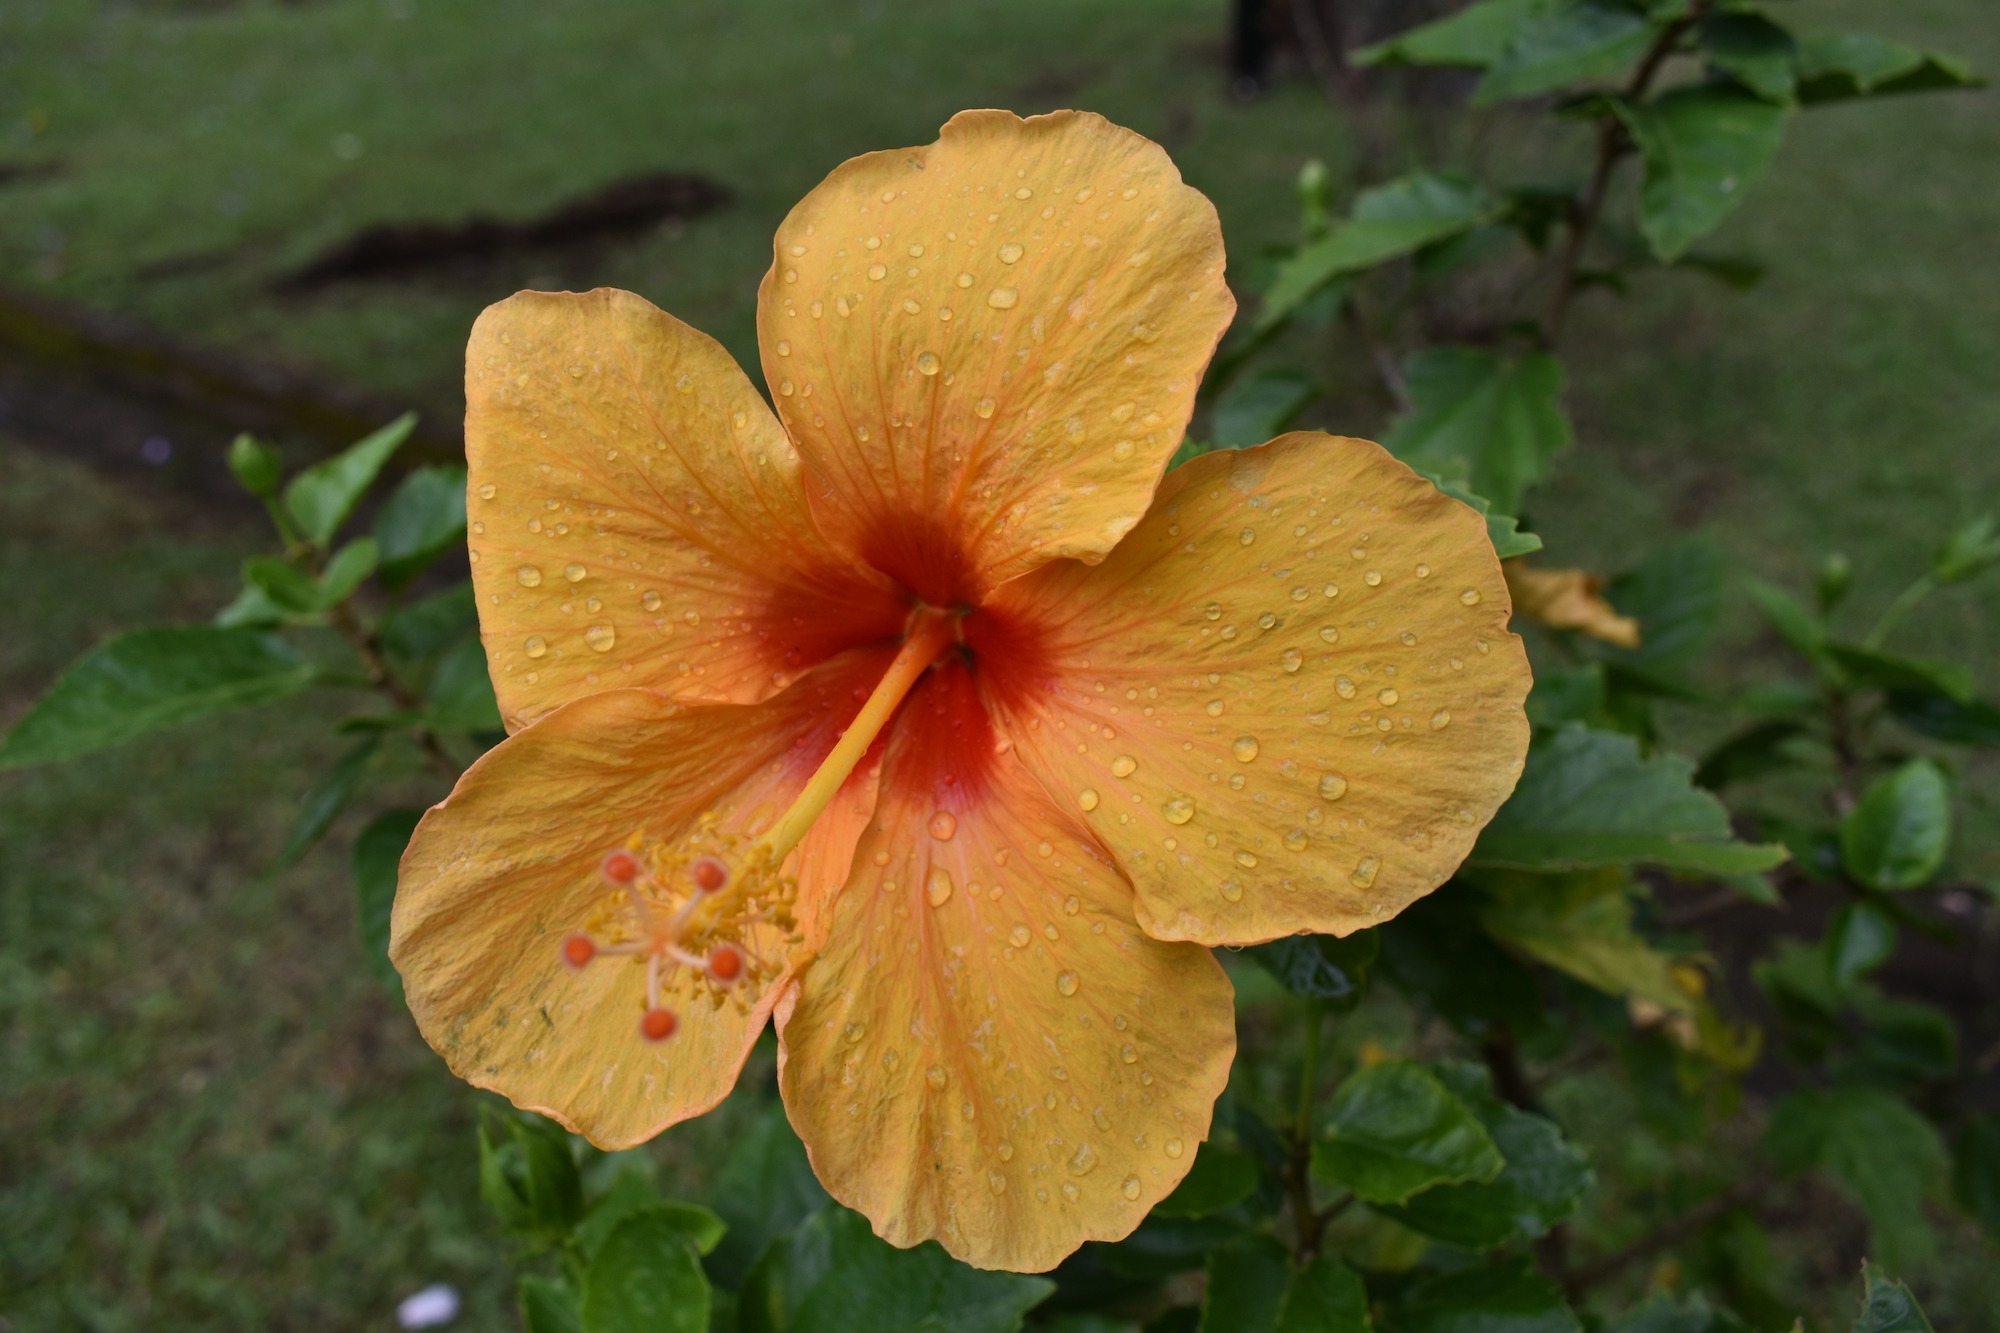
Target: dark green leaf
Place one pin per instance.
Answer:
(1218, 1180)
(1163, 1246)
(423, 518)
(1675, 594)
(1481, 418)
(1903, 1043)
(1325, 966)
(1896, 835)
(631, 1192)
(1886, 1156)
(1561, 697)
(1887, 1305)
(1472, 38)
(256, 465)
(1252, 411)
(1857, 65)
(1326, 1296)
(416, 632)
(461, 692)
(1704, 146)
(1539, 1186)
(343, 574)
(1888, 672)
(1662, 1315)
(1436, 953)
(1765, 747)
(148, 680)
(833, 1275)
(1975, 1174)
(251, 609)
(1246, 1285)
(1393, 1129)
(320, 498)
(1586, 798)
(1946, 719)
(1801, 630)
(1581, 924)
(766, 1188)
(1752, 50)
(549, 1305)
(283, 584)
(1388, 221)
(323, 804)
(1500, 1298)
(645, 1278)
(1735, 272)
(378, 853)
(1562, 44)
(1859, 939)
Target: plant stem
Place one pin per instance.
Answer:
(383, 679)
(1613, 143)
(1385, 360)
(1298, 1171)
(1924, 586)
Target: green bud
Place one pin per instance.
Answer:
(1836, 576)
(257, 465)
(1967, 552)
(1315, 196)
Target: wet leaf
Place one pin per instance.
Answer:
(1394, 1129)
(1704, 147)
(320, 498)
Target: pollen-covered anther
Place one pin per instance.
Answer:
(710, 875)
(725, 964)
(620, 867)
(577, 951)
(658, 1024)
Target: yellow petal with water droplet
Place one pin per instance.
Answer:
(1040, 332)
(619, 472)
(1345, 741)
(1003, 1025)
(507, 866)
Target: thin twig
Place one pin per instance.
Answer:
(1689, 1223)
(1298, 1169)
(382, 678)
(1383, 356)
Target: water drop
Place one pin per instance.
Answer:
(1236, 782)
(1101, 1120)
(1005, 1150)
(984, 408)
(1072, 905)
(1248, 860)
(996, 1182)
(1343, 687)
(1066, 984)
(1213, 708)
(1083, 1161)
(1440, 719)
(1123, 766)
(1173, 1148)
(575, 573)
(1364, 872)
(1228, 631)
(937, 888)
(965, 279)
(1212, 611)
(1043, 848)
(1373, 578)
(1332, 787)
(1329, 634)
(1087, 798)
(1010, 253)
(927, 363)
(650, 600)
(529, 576)
(877, 272)
(1019, 937)
(1296, 840)
(1003, 298)
(1122, 450)
(784, 349)
(486, 491)
(1332, 590)
(1247, 536)
(1266, 621)
(1128, 1053)
(1387, 695)
(1470, 597)
(943, 824)
(936, 1077)
(691, 617)
(1301, 593)
(601, 638)
(855, 1032)
(1131, 1187)
(1409, 639)
(1244, 748)
(1178, 810)
(536, 645)
(890, 1060)
(1423, 571)
(1070, 1191)
(1291, 659)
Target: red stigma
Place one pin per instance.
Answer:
(621, 867)
(725, 963)
(658, 1024)
(577, 951)
(710, 875)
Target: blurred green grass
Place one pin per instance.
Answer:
(208, 1115)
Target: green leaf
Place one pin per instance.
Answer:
(1325, 966)
(1503, 531)
(148, 680)
(1393, 1129)
(1801, 630)
(1887, 1305)
(1967, 551)
(1896, 835)
(1163, 1246)
(549, 1305)
(323, 804)
(1500, 1298)
(645, 1278)
(344, 572)
(1763, 747)
(1754, 51)
(833, 1275)
(1676, 595)
(631, 1192)
(1945, 719)
(1388, 221)
(1540, 1185)
(1218, 1180)
(283, 584)
(1472, 38)
(1888, 672)
(1662, 1315)
(1252, 411)
(1581, 924)
(1478, 417)
(417, 632)
(423, 518)
(1885, 1155)
(1437, 954)
(1859, 939)
(251, 609)
(460, 697)
(1975, 1174)
(378, 853)
(320, 498)
(1704, 146)
(766, 1189)
(1587, 799)
(1246, 1285)
(1561, 697)
(1326, 1296)
(1857, 65)
(1562, 44)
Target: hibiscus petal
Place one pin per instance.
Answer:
(638, 517)
(988, 1051)
(1288, 701)
(988, 348)
(507, 866)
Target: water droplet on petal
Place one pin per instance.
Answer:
(1231, 890)
(936, 1077)
(1212, 611)
(575, 573)
(1123, 766)
(984, 407)
(1005, 1150)
(1173, 1148)
(937, 888)
(943, 824)
(1373, 578)
(855, 1032)
(927, 363)
(601, 638)
(535, 646)
(1329, 634)
(1387, 696)
(1010, 253)
(890, 1060)
(877, 272)
(1332, 786)
(1087, 798)
(1066, 984)
(1003, 298)
(529, 576)
(1178, 810)
(1019, 937)
(996, 1182)
(1070, 1191)
(1083, 1161)
(1296, 840)
(1131, 1187)
(1213, 708)
(1364, 872)
(1470, 597)
(1266, 620)
(1343, 687)
(486, 491)
(1440, 719)
(1247, 536)
(1247, 860)
(650, 600)
(1128, 1053)
(1244, 748)
(1291, 659)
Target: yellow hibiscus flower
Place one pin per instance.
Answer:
(924, 718)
